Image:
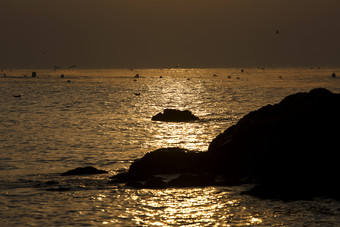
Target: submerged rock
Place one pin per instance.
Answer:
(173, 115)
(59, 189)
(83, 170)
(289, 149)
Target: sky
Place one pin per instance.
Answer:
(164, 33)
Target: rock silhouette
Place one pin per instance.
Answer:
(289, 150)
(173, 115)
(83, 171)
(165, 161)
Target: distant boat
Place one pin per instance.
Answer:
(277, 31)
(16, 96)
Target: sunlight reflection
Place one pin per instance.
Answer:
(177, 94)
(176, 206)
(187, 135)
(254, 220)
(193, 207)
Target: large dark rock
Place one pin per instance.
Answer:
(173, 115)
(165, 161)
(83, 171)
(289, 149)
(193, 180)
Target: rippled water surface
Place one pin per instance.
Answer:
(102, 118)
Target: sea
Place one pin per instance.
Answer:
(68, 118)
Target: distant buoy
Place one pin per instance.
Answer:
(34, 74)
(160, 77)
(242, 70)
(333, 75)
(137, 75)
(62, 76)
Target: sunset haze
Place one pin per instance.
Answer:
(154, 33)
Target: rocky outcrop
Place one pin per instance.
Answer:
(290, 150)
(159, 168)
(173, 115)
(83, 171)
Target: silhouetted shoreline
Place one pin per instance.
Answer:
(288, 149)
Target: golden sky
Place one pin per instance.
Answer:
(163, 33)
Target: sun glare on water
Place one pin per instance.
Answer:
(189, 207)
(176, 134)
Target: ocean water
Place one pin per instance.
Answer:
(102, 118)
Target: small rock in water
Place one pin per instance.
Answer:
(52, 182)
(174, 115)
(59, 189)
(83, 170)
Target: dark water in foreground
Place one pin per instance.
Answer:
(97, 119)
